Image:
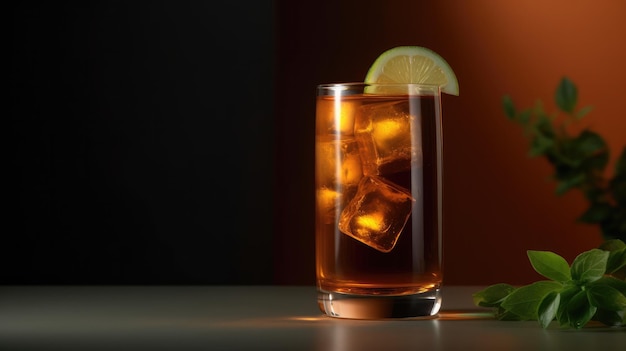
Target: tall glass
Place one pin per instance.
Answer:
(378, 218)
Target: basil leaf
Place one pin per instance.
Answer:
(550, 265)
(579, 311)
(524, 301)
(612, 245)
(587, 290)
(589, 266)
(617, 254)
(547, 308)
(566, 295)
(616, 260)
(493, 295)
(618, 284)
(610, 318)
(504, 315)
(606, 297)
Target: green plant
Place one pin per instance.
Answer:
(579, 161)
(592, 288)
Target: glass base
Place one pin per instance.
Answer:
(424, 305)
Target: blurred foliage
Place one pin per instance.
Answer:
(579, 161)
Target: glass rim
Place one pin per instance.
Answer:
(378, 89)
(357, 84)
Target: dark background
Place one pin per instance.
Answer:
(140, 143)
(171, 142)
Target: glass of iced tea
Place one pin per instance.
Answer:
(378, 217)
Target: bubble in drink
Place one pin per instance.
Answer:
(377, 213)
(383, 131)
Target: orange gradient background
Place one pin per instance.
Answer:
(498, 202)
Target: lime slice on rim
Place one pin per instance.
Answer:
(413, 64)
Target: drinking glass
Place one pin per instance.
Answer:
(378, 213)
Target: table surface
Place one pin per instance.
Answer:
(258, 318)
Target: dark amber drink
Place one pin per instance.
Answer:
(378, 178)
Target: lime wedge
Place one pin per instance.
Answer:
(413, 64)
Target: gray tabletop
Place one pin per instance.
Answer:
(258, 318)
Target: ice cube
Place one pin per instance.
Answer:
(389, 137)
(344, 151)
(336, 116)
(377, 213)
(336, 184)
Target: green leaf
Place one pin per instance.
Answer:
(508, 106)
(589, 266)
(547, 308)
(615, 283)
(583, 112)
(566, 295)
(540, 145)
(493, 295)
(524, 301)
(610, 318)
(612, 245)
(505, 315)
(595, 162)
(569, 183)
(566, 95)
(587, 143)
(572, 302)
(589, 150)
(550, 265)
(579, 311)
(606, 297)
(616, 260)
(619, 261)
(544, 127)
(596, 213)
